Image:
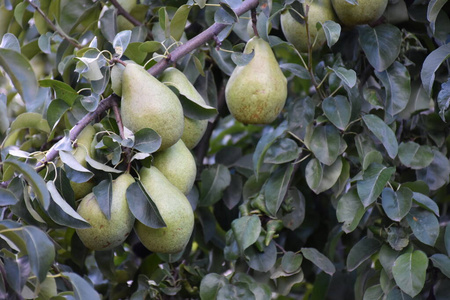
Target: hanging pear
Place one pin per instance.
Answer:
(175, 210)
(148, 103)
(256, 93)
(193, 129)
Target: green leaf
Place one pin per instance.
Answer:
(74, 170)
(409, 272)
(242, 59)
(276, 188)
(82, 289)
(424, 225)
(396, 204)
(396, 294)
(150, 46)
(447, 239)
(147, 140)
(143, 207)
(237, 291)
(99, 166)
(30, 120)
(361, 252)
(285, 284)
(338, 110)
(7, 197)
(320, 260)
(21, 74)
(350, 211)
(33, 179)
(442, 262)
(387, 257)
(426, 203)
(348, 77)
(103, 194)
(332, 32)
(9, 41)
(135, 53)
(291, 262)
(282, 151)
(121, 42)
(383, 132)
(374, 179)
(414, 155)
(246, 230)
(296, 201)
(262, 261)
(63, 90)
(381, 44)
(431, 64)
(375, 292)
(263, 145)
(214, 182)
(225, 15)
(397, 83)
(210, 285)
(437, 173)
(179, 21)
(443, 99)
(296, 70)
(55, 111)
(326, 144)
(434, 7)
(322, 177)
(41, 251)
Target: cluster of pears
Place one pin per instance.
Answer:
(365, 12)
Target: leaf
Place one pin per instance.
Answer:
(443, 99)
(237, 291)
(121, 42)
(246, 231)
(242, 59)
(409, 272)
(225, 15)
(262, 261)
(361, 252)
(282, 151)
(150, 46)
(291, 262)
(442, 262)
(396, 204)
(437, 173)
(99, 166)
(214, 182)
(103, 194)
(381, 44)
(326, 144)
(414, 155)
(82, 289)
(9, 41)
(447, 239)
(431, 64)
(74, 170)
(320, 260)
(21, 74)
(396, 294)
(276, 188)
(424, 225)
(263, 145)
(33, 179)
(348, 77)
(210, 285)
(434, 7)
(296, 70)
(30, 120)
(41, 251)
(397, 83)
(374, 179)
(55, 111)
(179, 21)
(426, 203)
(350, 211)
(143, 207)
(296, 201)
(375, 292)
(63, 90)
(321, 178)
(147, 140)
(7, 197)
(383, 132)
(332, 32)
(338, 110)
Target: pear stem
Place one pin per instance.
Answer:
(255, 30)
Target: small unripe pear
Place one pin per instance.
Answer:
(178, 165)
(106, 234)
(256, 93)
(175, 210)
(366, 12)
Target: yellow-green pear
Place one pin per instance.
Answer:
(256, 93)
(295, 32)
(122, 22)
(193, 129)
(365, 12)
(175, 210)
(178, 165)
(106, 234)
(116, 77)
(148, 103)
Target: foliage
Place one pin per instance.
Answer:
(344, 196)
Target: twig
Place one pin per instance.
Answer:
(255, 30)
(115, 107)
(58, 30)
(122, 12)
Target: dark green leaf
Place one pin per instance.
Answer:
(375, 292)
(443, 99)
(237, 291)
(82, 289)
(263, 146)
(296, 203)
(63, 91)
(147, 140)
(424, 225)
(437, 173)
(425, 202)
(322, 177)
(434, 7)
(414, 155)
(74, 170)
(214, 182)
(431, 64)
(442, 262)
(396, 294)
(383, 132)
(326, 144)
(276, 188)
(296, 70)
(447, 239)
(332, 32)
(282, 151)
(55, 111)
(320, 260)
(262, 261)
(381, 44)
(374, 179)
(350, 211)
(179, 21)
(103, 194)
(409, 272)
(225, 15)
(396, 204)
(246, 230)
(361, 252)
(7, 198)
(348, 77)
(337, 110)
(285, 284)
(210, 286)
(291, 262)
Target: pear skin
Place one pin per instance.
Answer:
(366, 12)
(193, 129)
(174, 208)
(178, 165)
(148, 103)
(256, 93)
(106, 234)
(295, 33)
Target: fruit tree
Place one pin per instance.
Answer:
(224, 149)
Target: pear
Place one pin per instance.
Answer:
(256, 93)
(148, 103)
(193, 129)
(106, 234)
(178, 165)
(122, 22)
(116, 77)
(295, 32)
(366, 12)
(174, 208)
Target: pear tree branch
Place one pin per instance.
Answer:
(157, 69)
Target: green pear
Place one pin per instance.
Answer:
(174, 208)
(366, 12)
(178, 165)
(106, 234)
(122, 22)
(148, 103)
(295, 32)
(256, 93)
(193, 129)
(116, 77)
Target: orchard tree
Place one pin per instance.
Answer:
(224, 149)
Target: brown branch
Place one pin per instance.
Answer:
(53, 26)
(116, 110)
(122, 12)
(255, 30)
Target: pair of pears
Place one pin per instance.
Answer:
(167, 182)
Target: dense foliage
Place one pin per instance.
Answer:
(343, 196)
